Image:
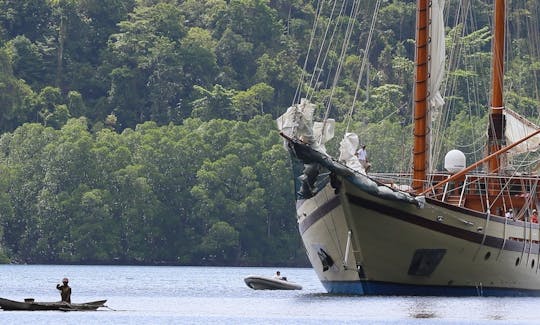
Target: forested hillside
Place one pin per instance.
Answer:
(142, 131)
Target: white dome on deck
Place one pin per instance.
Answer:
(454, 161)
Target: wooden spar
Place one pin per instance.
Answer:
(496, 120)
(420, 148)
(476, 164)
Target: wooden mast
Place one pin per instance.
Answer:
(420, 114)
(496, 120)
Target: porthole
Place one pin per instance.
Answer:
(532, 264)
(487, 256)
(517, 261)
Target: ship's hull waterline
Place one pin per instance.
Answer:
(359, 243)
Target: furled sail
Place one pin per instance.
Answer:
(347, 152)
(437, 53)
(298, 123)
(517, 127)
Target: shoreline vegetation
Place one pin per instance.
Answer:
(144, 131)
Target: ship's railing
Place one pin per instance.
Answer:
(493, 193)
(486, 192)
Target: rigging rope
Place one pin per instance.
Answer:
(364, 62)
(297, 94)
(464, 23)
(316, 70)
(350, 24)
(328, 49)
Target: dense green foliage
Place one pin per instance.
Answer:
(141, 131)
(191, 193)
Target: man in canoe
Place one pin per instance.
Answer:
(65, 290)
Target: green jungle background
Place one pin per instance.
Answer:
(143, 131)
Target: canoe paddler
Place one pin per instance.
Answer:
(65, 290)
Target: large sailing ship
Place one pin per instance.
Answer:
(443, 233)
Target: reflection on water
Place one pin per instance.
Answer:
(422, 309)
(192, 295)
(497, 308)
(495, 317)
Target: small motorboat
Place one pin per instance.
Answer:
(258, 282)
(30, 304)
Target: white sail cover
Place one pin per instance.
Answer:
(517, 128)
(347, 152)
(323, 132)
(297, 123)
(437, 53)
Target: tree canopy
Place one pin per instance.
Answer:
(142, 131)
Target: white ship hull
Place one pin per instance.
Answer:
(445, 234)
(397, 248)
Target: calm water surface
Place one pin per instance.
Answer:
(208, 295)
